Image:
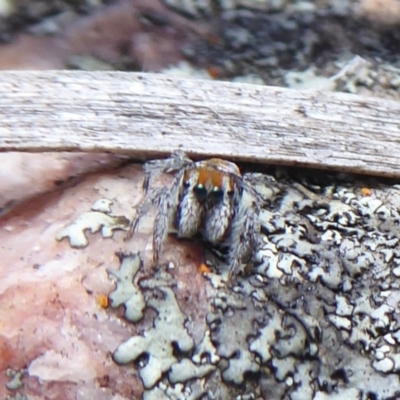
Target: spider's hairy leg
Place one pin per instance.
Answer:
(244, 238)
(152, 168)
(173, 164)
(149, 202)
(167, 203)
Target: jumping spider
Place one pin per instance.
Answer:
(209, 200)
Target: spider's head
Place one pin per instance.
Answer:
(213, 179)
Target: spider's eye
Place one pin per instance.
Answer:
(216, 193)
(200, 191)
(186, 184)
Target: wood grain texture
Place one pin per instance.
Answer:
(148, 115)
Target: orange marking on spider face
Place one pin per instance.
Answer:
(103, 301)
(210, 175)
(203, 268)
(366, 192)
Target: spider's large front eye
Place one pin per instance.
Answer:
(200, 191)
(216, 194)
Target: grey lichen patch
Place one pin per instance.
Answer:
(17, 396)
(102, 205)
(308, 80)
(16, 377)
(316, 319)
(127, 292)
(186, 369)
(385, 365)
(340, 322)
(303, 387)
(340, 395)
(360, 72)
(355, 254)
(99, 220)
(205, 351)
(165, 391)
(343, 306)
(327, 262)
(263, 344)
(171, 365)
(226, 323)
(157, 344)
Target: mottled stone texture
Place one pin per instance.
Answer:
(317, 319)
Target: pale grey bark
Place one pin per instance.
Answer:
(148, 115)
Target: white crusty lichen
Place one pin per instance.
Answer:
(16, 377)
(164, 391)
(157, 343)
(127, 292)
(186, 369)
(205, 350)
(99, 219)
(15, 384)
(316, 319)
(339, 254)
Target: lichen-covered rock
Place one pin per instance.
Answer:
(317, 319)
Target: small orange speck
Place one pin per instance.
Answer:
(103, 301)
(204, 269)
(213, 40)
(366, 192)
(214, 72)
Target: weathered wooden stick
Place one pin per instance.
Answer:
(147, 115)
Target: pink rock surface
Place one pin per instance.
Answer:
(52, 321)
(24, 175)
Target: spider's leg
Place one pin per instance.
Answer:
(170, 165)
(243, 238)
(142, 210)
(176, 163)
(167, 203)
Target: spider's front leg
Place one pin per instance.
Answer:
(163, 200)
(149, 202)
(244, 238)
(167, 206)
(178, 161)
